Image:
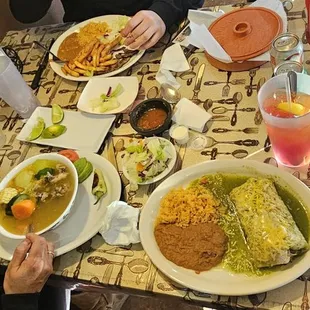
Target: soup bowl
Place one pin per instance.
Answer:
(14, 172)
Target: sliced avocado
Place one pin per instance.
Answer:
(87, 171)
(80, 164)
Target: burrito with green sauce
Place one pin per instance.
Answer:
(271, 233)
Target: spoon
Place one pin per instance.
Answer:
(226, 88)
(136, 265)
(258, 118)
(248, 142)
(252, 74)
(292, 77)
(169, 93)
(187, 75)
(145, 69)
(239, 154)
(267, 145)
(237, 97)
(194, 62)
(222, 110)
(271, 161)
(248, 130)
(232, 82)
(153, 92)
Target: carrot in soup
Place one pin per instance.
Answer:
(23, 210)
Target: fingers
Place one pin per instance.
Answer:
(50, 252)
(38, 248)
(143, 39)
(151, 42)
(132, 24)
(136, 33)
(20, 254)
(144, 30)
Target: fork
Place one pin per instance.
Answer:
(30, 228)
(55, 58)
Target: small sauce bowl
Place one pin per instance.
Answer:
(143, 108)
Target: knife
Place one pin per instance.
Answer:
(199, 78)
(36, 81)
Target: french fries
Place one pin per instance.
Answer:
(71, 72)
(94, 59)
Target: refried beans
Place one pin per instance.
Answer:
(198, 247)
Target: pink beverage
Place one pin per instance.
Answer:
(288, 126)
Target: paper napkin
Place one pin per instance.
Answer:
(174, 60)
(190, 115)
(120, 224)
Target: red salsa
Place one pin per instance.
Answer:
(152, 119)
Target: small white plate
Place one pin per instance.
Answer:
(171, 164)
(98, 86)
(84, 132)
(113, 22)
(220, 281)
(85, 218)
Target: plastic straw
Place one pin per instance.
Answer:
(288, 93)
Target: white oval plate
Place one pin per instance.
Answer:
(85, 219)
(112, 21)
(220, 281)
(165, 172)
(98, 86)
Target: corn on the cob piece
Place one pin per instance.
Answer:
(7, 194)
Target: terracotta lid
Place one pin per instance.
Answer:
(246, 33)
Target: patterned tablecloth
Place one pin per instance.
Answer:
(130, 267)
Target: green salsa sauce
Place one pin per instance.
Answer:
(238, 256)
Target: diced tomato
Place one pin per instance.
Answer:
(140, 167)
(70, 154)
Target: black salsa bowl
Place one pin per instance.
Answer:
(145, 106)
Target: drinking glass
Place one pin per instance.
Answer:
(14, 90)
(290, 137)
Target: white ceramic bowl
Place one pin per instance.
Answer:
(162, 175)
(24, 164)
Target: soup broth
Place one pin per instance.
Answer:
(49, 184)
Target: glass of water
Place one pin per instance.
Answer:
(14, 90)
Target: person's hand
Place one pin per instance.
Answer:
(28, 274)
(144, 30)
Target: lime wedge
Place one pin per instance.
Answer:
(57, 114)
(53, 131)
(296, 108)
(37, 129)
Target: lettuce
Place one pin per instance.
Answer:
(134, 148)
(107, 103)
(119, 89)
(152, 156)
(104, 106)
